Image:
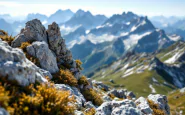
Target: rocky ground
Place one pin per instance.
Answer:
(38, 56)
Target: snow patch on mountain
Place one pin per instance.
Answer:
(175, 37)
(67, 29)
(97, 39)
(133, 39)
(174, 58)
(152, 88)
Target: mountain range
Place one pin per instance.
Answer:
(98, 40)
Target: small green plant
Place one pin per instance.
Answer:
(6, 37)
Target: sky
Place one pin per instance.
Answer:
(106, 7)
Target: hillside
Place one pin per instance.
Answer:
(38, 75)
(143, 73)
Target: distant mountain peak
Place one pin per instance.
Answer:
(81, 12)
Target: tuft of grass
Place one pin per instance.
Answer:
(65, 77)
(83, 81)
(79, 64)
(155, 108)
(6, 37)
(91, 111)
(176, 101)
(93, 96)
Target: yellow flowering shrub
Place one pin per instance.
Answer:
(4, 97)
(91, 111)
(78, 64)
(93, 96)
(83, 81)
(24, 45)
(65, 77)
(6, 37)
(155, 108)
(46, 100)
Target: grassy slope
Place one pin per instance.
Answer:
(138, 83)
(176, 101)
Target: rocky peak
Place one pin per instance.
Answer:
(33, 31)
(54, 44)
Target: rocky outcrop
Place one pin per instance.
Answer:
(125, 107)
(49, 48)
(175, 72)
(162, 101)
(122, 93)
(80, 100)
(143, 105)
(46, 58)
(34, 31)
(100, 85)
(15, 66)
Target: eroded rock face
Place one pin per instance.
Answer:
(57, 43)
(80, 100)
(49, 46)
(162, 101)
(125, 107)
(16, 66)
(47, 59)
(34, 31)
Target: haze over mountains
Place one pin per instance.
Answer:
(98, 40)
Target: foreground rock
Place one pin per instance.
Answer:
(125, 107)
(162, 101)
(80, 100)
(15, 66)
(46, 58)
(3, 111)
(143, 105)
(49, 48)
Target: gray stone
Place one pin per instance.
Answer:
(80, 100)
(78, 112)
(162, 101)
(100, 85)
(34, 31)
(46, 58)
(125, 107)
(3, 111)
(125, 110)
(118, 93)
(130, 94)
(89, 105)
(142, 104)
(16, 66)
